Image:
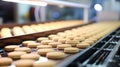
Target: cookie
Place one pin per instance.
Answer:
(54, 44)
(41, 39)
(71, 50)
(43, 52)
(72, 42)
(25, 43)
(10, 47)
(51, 36)
(56, 38)
(55, 55)
(25, 49)
(15, 55)
(70, 37)
(62, 40)
(62, 46)
(24, 63)
(82, 45)
(89, 41)
(44, 46)
(46, 42)
(17, 31)
(33, 45)
(31, 56)
(44, 64)
(5, 61)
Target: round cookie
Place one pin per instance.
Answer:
(10, 47)
(56, 38)
(31, 56)
(62, 40)
(24, 63)
(25, 43)
(71, 50)
(72, 42)
(89, 41)
(82, 45)
(62, 46)
(51, 36)
(33, 45)
(44, 46)
(54, 44)
(44, 64)
(25, 49)
(46, 42)
(41, 39)
(55, 55)
(43, 52)
(16, 55)
(70, 37)
(5, 61)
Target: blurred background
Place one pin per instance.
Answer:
(99, 10)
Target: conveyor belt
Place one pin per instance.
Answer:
(104, 53)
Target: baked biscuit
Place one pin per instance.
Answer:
(5, 61)
(24, 63)
(25, 49)
(62, 40)
(71, 50)
(55, 55)
(43, 52)
(25, 43)
(72, 42)
(46, 42)
(31, 56)
(15, 55)
(44, 46)
(33, 45)
(82, 45)
(44, 64)
(54, 44)
(42, 38)
(62, 46)
(10, 47)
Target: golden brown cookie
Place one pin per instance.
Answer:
(24, 63)
(44, 64)
(31, 56)
(41, 39)
(33, 45)
(55, 55)
(5, 61)
(25, 43)
(11, 47)
(46, 42)
(43, 52)
(82, 45)
(16, 55)
(25, 49)
(44, 46)
(62, 40)
(51, 36)
(54, 44)
(62, 46)
(72, 42)
(71, 50)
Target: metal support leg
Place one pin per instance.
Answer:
(43, 13)
(85, 19)
(40, 13)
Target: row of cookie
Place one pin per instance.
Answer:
(29, 62)
(29, 29)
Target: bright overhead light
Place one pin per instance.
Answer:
(28, 2)
(98, 7)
